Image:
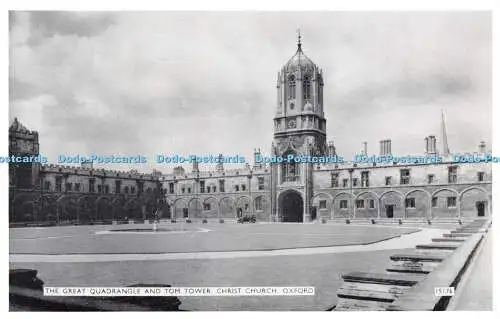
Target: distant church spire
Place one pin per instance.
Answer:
(444, 137)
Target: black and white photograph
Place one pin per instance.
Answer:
(250, 160)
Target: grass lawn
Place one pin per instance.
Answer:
(193, 238)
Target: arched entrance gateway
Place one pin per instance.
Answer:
(291, 207)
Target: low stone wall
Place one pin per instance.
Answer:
(26, 294)
(410, 279)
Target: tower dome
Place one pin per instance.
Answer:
(299, 61)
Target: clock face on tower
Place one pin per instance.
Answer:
(292, 124)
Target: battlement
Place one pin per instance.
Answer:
(445, 160)
(98, 172)
(244, 171)
(17, 128)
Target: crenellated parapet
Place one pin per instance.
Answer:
(97, 172)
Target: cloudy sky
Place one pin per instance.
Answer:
(204, 83)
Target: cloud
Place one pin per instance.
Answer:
(205, 82)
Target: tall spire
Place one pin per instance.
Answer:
(444, 137)
(299, 43)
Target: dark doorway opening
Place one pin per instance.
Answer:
(292, 207)
(314, 213)
(389, 211)
(185, 212)
(480, 209)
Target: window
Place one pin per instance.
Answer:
(183, 190)
(289, 169)
(202, 187)
(58, 184)
(410, 203)
(206, 206)
(322, 204)
(99, 188)
(208, 189)
(434, 202)
(46, 185)
(118, 186)
(77, 187)
(171, 188)
(243, 188)
(354, 182)
(388, 180)
(189, 190)
(364, 179)
(69, 187)
(372, 203)
(335, 180)
(480, 176)
(91, 185)
(237, 188)
(452, 174)
(307, 88)
(291, 87)
(261, 183)
(132, 189)
(343, 204)
(345, 183)
(430, 178)
(221, 186)
(185, 212)
(360, 203)
(405, 177)
(125, 189)
(451, 202)
(214, 189)
(106, 189)
(258, 203)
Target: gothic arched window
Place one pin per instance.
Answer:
(291, 87)
(290, 169)
(258, 203)
(307, 87)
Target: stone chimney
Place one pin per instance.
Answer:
(196, 168)
(385, 147)
(331, 149)
(482, 147)
(220, 164)
(256, 154)
(430, 145)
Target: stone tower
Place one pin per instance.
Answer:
(299, 129)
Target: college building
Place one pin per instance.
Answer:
(283, 192)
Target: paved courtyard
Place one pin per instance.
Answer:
(214, 255)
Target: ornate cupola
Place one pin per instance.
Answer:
(299, 112)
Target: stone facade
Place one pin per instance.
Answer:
(300, 192)
(68, 194)
(304, 192)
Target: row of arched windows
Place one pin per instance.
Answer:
(306, 87)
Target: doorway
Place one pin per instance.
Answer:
(480, 208)
(389, 211)
(314, 213)
(292, 207)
